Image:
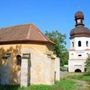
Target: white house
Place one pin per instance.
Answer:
(79, 45)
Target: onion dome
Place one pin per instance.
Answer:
(80, 30)
(79, 15)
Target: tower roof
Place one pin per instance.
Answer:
(80, 30)
(79, 15)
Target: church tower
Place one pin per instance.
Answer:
(79, 45)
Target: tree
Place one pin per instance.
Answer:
(59, 47)
(88, 65)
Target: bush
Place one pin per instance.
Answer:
(88, 66)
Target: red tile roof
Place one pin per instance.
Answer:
(22, 33)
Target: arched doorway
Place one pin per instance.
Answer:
(77, 70)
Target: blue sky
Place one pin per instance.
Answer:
(45, 14)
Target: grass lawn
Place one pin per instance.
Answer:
(66, 83)
(60, 85)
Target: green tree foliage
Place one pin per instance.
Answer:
(88, 65)
(59, 47)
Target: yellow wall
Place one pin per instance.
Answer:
(41, 47)
(15, 49)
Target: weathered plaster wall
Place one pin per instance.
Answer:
(42, 67)
(57, 68)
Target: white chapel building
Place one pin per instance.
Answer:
(79, 45)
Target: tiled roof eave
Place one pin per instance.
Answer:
(73, 36)
(25, 42)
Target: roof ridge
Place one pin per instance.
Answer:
(39, 32)
(28, 33)
(43, 35)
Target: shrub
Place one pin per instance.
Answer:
(88, 65)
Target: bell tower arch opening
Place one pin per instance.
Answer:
(77, 70)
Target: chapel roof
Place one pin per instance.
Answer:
(27, 33)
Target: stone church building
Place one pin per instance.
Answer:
(79, 45)
(26, 56)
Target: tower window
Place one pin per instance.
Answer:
(72, 44)
(87, 43)
(79, 43)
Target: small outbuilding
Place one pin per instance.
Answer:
(26, 56)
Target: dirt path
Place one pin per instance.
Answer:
(81, 85)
